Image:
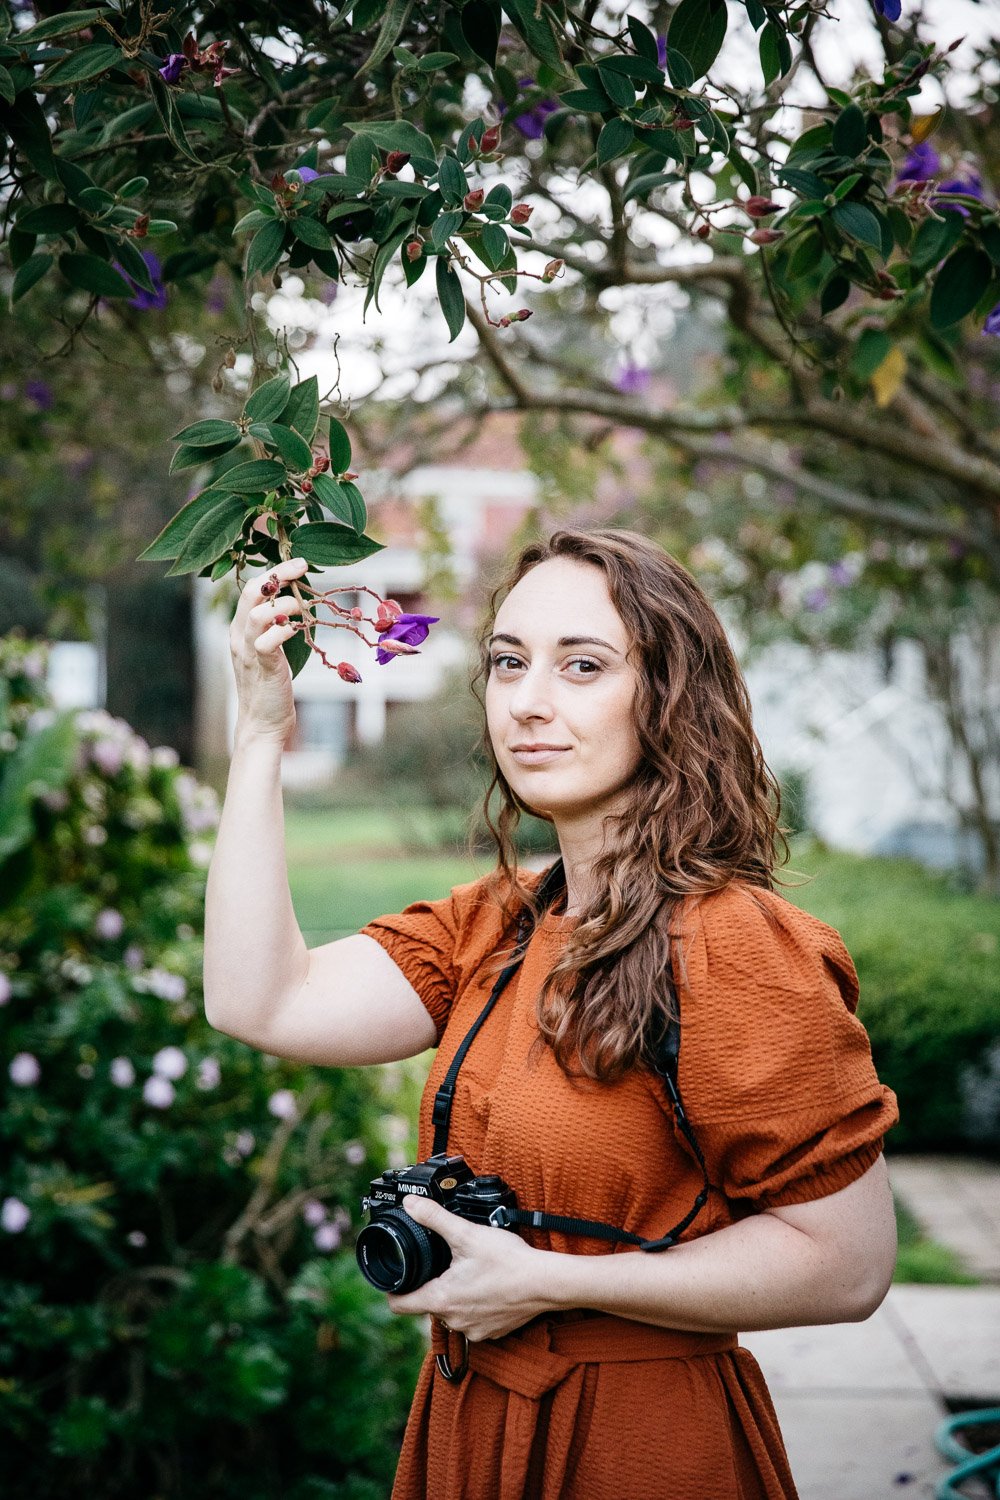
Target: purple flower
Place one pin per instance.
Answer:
(159, 1092)
(173, 67)
(24, 1070)
(661, 50)
(307, 174)
(109, 924)
(632, 380)
(326, 1237)
(410, 629)
(815, 600)
(992, 324)
(14, 1215)
(217, 295)
(921, 164)
(532, 122)
(890, 9)
(122, 1072)
(840, 574)
(39, 394)
(143, 299)
(971, 185)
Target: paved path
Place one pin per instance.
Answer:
(859, 1402)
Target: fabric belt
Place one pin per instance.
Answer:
(549, 1355)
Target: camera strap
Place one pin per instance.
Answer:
(666, 1065)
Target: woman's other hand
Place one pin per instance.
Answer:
(263, 676)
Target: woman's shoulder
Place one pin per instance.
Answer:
(752, 935)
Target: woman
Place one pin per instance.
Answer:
(564, 1364)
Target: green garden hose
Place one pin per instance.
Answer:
(982, 1466)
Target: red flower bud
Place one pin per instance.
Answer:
(760, 208)
(399, 648)
(280, 620)
(521, 213)
(396, 160)
(474, 200)
(348, 474)
(140, 228)
(552, 270)
(521, 316)
(357, 613)
(766, 236)
(269, 586)
(278, 183)
(414, 250)
(703, 231)
(397, 609)
(504, 322)
(347, 673)
(491, 139)
(306, 486)
(320, 463)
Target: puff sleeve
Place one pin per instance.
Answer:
(424, 941)
(776, 1071)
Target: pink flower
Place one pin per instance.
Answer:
(327, 1237)
(24, 1069)
(354, 1153)
(157, 1091)
(313, 1211)
(137, 1238)
(122, 1072)
(132, 957)
(170, 1062)
(110, 924)
(6, 989)
(209, 1073)
(245, 1142)
(282, 1104)
(14, 1215)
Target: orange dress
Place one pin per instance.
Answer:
(777, 1080)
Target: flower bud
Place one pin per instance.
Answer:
(766, 236)
(306, 486)
(320, 464)
(552, 270)
(349, 474)
(702, 231)
(280, 620)
(521, 213)
(473, 200)
(396, 160)
(491, 139)
(357, 613)
(347, 673)
(383, 622)
(758, 207)
(390, 604)
(399, 648)
(140, 228)
(504, 322)
(414, 250)
(269, 586)
(230, 359)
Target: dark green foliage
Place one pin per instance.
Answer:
(169, 1325)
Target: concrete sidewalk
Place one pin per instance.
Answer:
(859, 1402)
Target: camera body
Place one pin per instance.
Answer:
(394, 1252)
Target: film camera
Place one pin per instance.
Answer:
(395, 1253)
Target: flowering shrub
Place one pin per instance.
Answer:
(180, 1309)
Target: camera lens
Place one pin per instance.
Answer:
(395, 1252)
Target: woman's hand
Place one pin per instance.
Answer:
(263, 676)
(491, 1286)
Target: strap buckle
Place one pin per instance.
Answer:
(500, 1218)
(441, 1360)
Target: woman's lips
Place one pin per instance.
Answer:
(537, 757)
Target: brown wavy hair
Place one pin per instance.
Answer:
(701, 812)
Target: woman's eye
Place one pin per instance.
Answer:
(578, 661)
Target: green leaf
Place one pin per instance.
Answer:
(959, 284)
(618, 88)
(744, 168)
(359, 515)
(614, 140)
(588, 100)
(302, 408)
(325, 544)
(850, 134)
(214, 534)
(444, 226)
(258, 474)
(679, 70)
(481, 29)
(452, 180)
(646, 182)
(775, 53)
(858, 223)
(85, 62)
(187, 457)
(49, 218)
(340, 447)
(42, 762)
(269, 400)
(94, 275)
(332, 495)
(295, 452)
(395, 18)
(311, 232)
(697, 31)
(171, 540)
(381, 261)
(61, 25)
(643, 40)
(451, 297)
(133, 265)
(255, 219)
(207, 433)
(871, 349)
(395, 135)
(265, 249)
(836, 292)
(431, 62)
(7, 89)
(536, 30)
(495, 245)
(935, 238)
(32, 270)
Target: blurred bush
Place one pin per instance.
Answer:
(430, 769)
(180, 1309)
(926, 954)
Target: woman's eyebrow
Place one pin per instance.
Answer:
(564, 640)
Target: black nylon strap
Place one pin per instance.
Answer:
(666, 1066)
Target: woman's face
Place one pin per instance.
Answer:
(576, 694)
